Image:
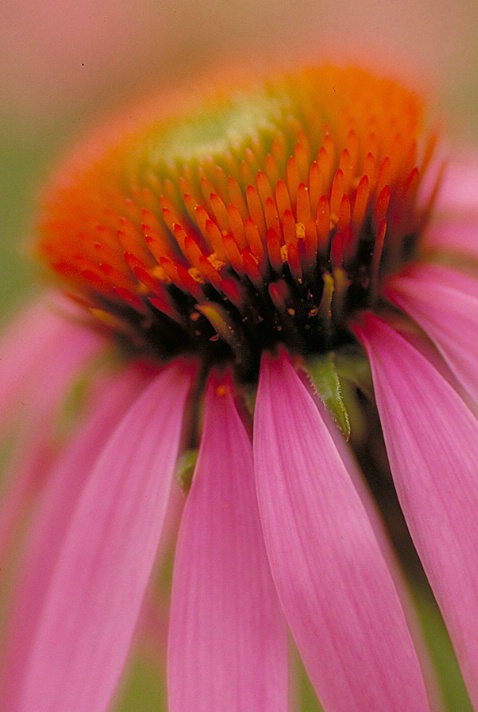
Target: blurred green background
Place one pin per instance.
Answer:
(64, 65)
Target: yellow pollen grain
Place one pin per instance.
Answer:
(196, 275)
(160, 274)
(221, 390)
(216, 262)
(334, 219)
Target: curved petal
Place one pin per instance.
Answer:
(25, 477)
(21, 347)
(39, 340)
(64, 486)
(331, 575)
(228, 638)
(444, 303)
(102, 567)
(432, 444)
(40, 388)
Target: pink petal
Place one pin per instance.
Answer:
(102, 567)
(35, 377)
(228, 640)
(458, 190)
(330, 571)
(21, 347)
(152, 628)
(25, 477)
(445, 304)
(432, 444)
(459, 234)
(39, 339)
(64, 486)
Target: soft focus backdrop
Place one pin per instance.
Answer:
(65, 64)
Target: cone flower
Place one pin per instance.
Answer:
(269, 298)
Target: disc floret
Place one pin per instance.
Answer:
(267, 214)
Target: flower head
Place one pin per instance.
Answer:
(264, 214)
(266, 262)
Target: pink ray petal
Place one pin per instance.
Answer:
(332, 577)
(458, 190)
(64, 486)
(93, 596)
(39, 405)
(35, 384)
(459, 234)
(21, 347)
(39, 339)
(228, 640)
(432, 444)
(25, 477)
(152, 628)
(444, 303)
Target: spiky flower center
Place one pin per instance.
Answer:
(265, 214)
